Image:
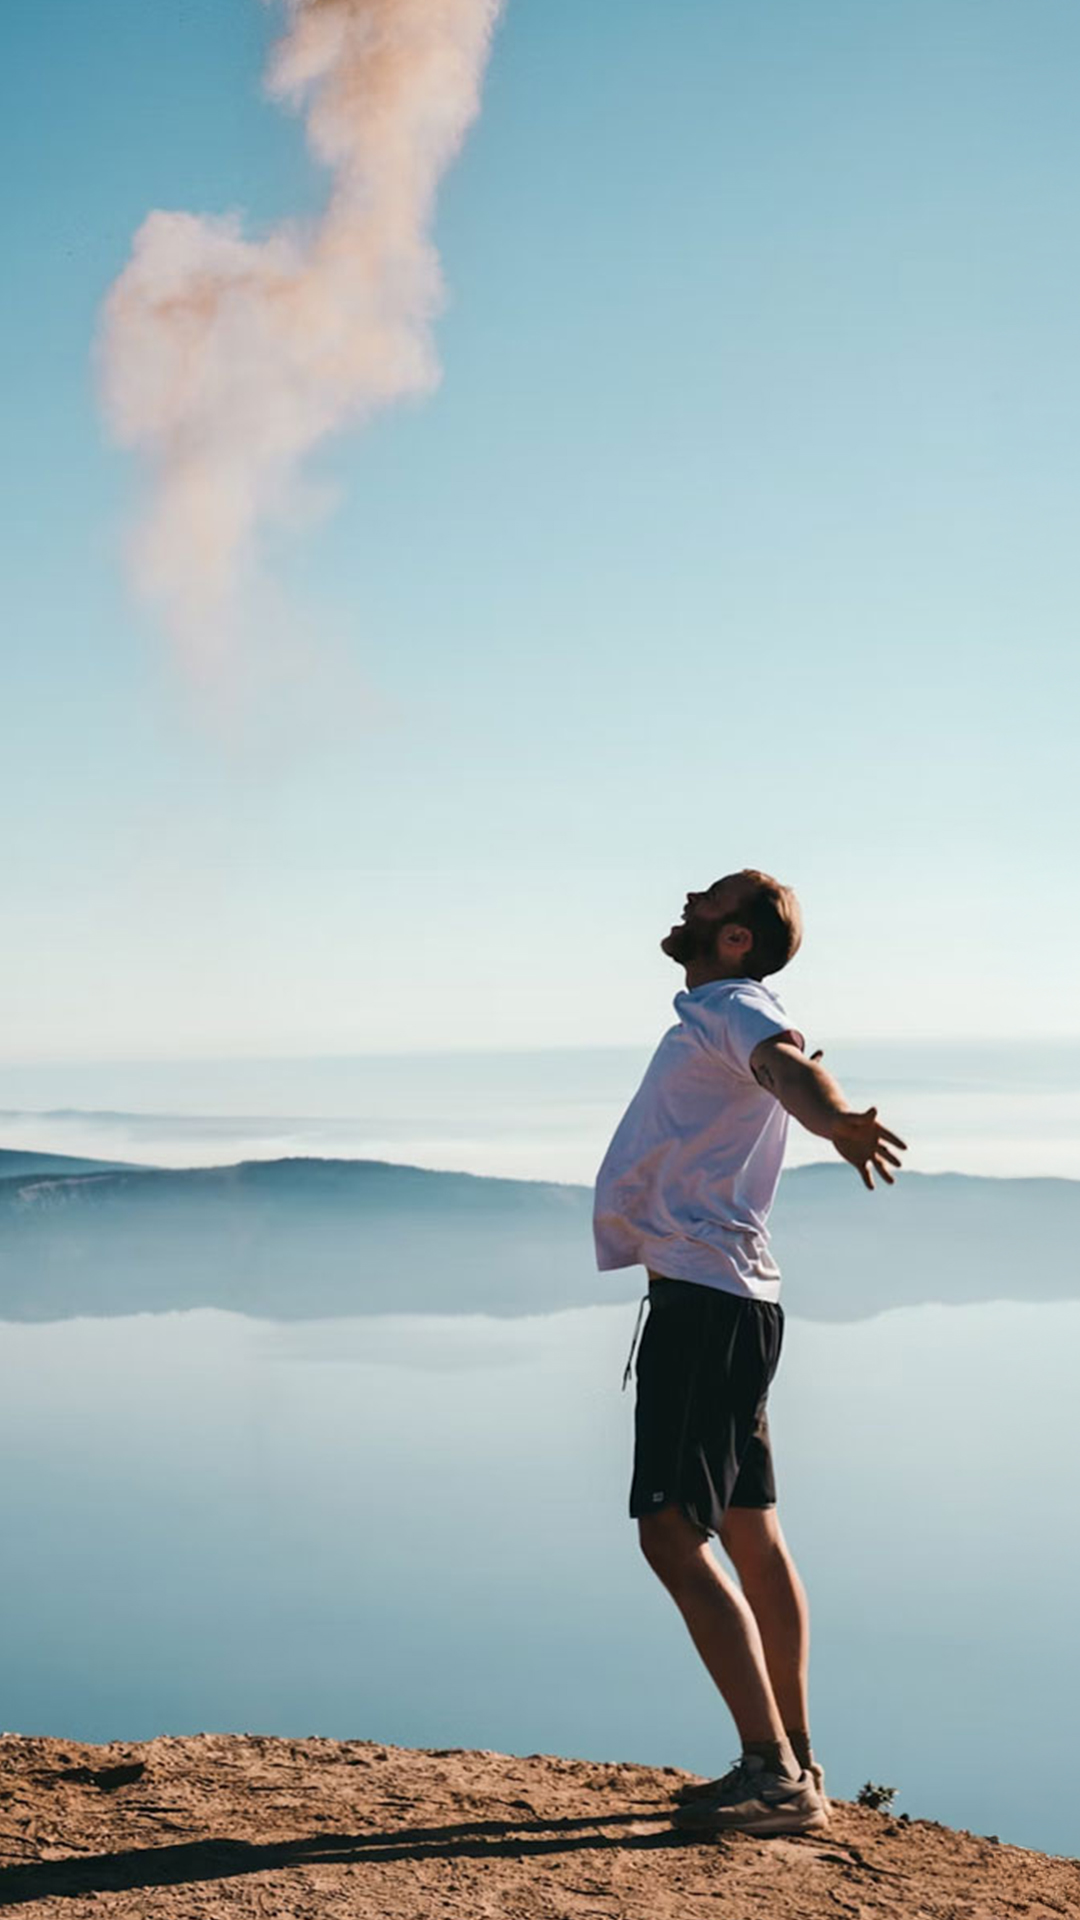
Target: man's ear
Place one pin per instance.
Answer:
(739, 939)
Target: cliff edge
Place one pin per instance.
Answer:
(230, 1824)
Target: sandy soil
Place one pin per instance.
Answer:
(224, 1825)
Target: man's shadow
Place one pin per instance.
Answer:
(200, 1860)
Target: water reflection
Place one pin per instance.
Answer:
(412, 1529)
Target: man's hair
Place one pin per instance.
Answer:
(772, 914)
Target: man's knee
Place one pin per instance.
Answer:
(751, 1536)
(671, 1543)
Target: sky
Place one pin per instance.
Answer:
(740, 531)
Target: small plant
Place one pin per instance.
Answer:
(878, 1798)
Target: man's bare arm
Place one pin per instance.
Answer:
(817, 1102)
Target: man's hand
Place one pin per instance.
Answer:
(861, 1139)
(816, 1100)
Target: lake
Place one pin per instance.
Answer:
(412, 1529)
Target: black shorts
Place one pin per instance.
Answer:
(701, 1435)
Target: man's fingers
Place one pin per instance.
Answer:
(884, 1154)
(893, 1137)
(884, 1171)
(867, 1178)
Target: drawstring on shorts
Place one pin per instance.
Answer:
(633, 1344)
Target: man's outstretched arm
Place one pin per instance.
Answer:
(817, 1102)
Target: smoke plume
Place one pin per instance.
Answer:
(225, 359)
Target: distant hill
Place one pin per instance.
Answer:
(16, 1166)
(309, 1239)
(292, 1239)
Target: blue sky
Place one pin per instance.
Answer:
(741, 530)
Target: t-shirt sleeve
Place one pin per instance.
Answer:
(742, 1022)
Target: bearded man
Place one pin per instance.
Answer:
(685, 1190)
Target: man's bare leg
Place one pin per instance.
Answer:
(752, 1538)
(721, 1623)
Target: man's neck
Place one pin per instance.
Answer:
(699, 974)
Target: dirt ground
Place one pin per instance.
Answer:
(225, 1824)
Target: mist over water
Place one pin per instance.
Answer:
(1007, 1108)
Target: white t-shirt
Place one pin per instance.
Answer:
(686, 1185)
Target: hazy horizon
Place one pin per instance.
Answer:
(1003, 1108)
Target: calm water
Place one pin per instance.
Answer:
(413, 1530)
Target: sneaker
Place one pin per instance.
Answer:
(751, 1799)
(693, 1790)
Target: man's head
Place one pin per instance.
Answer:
(745, 925)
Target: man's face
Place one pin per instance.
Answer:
(693, 938)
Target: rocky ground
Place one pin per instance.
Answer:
(224, 1825)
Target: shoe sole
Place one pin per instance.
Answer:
(782, 1821)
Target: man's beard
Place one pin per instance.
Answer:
(687, 942)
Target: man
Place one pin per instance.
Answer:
(685, 1190)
